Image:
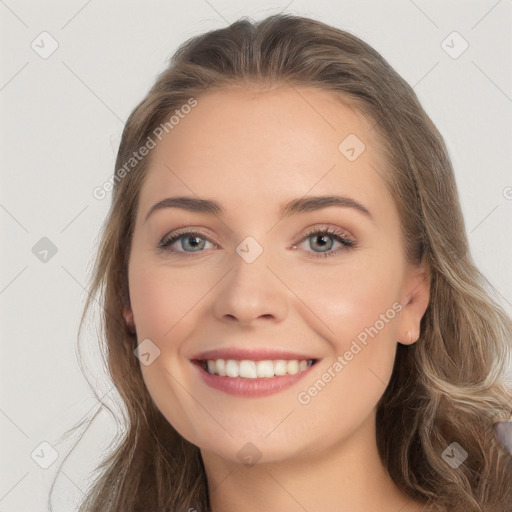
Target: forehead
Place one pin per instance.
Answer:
(241, 145)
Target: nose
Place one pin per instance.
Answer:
(251, 292)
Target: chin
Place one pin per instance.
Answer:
(249, 452)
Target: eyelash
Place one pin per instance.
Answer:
(166, 243)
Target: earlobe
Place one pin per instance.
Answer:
(410, 338)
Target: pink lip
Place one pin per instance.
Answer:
(251, 388)
(240, 354)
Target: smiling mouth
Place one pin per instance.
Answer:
(248, 369)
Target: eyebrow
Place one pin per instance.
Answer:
(301, 205)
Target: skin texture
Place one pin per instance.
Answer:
(251, 151)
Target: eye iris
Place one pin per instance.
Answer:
(323, 237)
(193, 245)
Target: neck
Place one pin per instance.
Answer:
(346, 478)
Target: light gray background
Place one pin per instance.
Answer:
(61, 121)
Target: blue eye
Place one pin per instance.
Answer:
(189, 240)
(321, 241)
(324, 240)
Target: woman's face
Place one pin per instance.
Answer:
(268, 286)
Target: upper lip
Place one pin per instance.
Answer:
(250, 354)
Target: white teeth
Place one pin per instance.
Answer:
(265, 369)
(221, 367)
(232, 368)
(292, 367)
(280, 367)
(256, 369)
(248, 370)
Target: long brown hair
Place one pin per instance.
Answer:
(447, 387)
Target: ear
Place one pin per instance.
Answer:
(127, 309)
(415, 299)
(128, 318)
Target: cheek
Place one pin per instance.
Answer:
(356, 311)
(166, 306)
(343, 302)
(163, 300)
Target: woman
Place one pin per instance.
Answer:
(292, 314)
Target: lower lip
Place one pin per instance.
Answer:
(254, 388)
